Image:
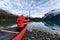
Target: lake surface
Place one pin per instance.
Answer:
(48, 26)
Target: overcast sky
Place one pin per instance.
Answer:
(37, 7)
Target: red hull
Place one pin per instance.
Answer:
(20, 35)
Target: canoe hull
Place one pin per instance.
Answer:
(20, 35)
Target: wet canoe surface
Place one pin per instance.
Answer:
(7, 36)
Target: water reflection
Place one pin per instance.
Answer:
(47, 26)
(7, 23)
(55, 25)
(51, 23)
(40, 26)
(43, 25)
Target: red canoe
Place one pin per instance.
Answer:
(20, 35)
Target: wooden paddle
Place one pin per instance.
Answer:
(9, 31)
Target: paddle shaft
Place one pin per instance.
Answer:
(9, 31)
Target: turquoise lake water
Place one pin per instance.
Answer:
(54, 25)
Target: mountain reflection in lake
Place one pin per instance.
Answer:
(7, 23)
(47, 26)
(53, 24)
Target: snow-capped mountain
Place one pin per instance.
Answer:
(52, 15)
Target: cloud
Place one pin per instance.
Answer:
(18, 4)
(38, 7)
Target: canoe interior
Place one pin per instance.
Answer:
(7, 36)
